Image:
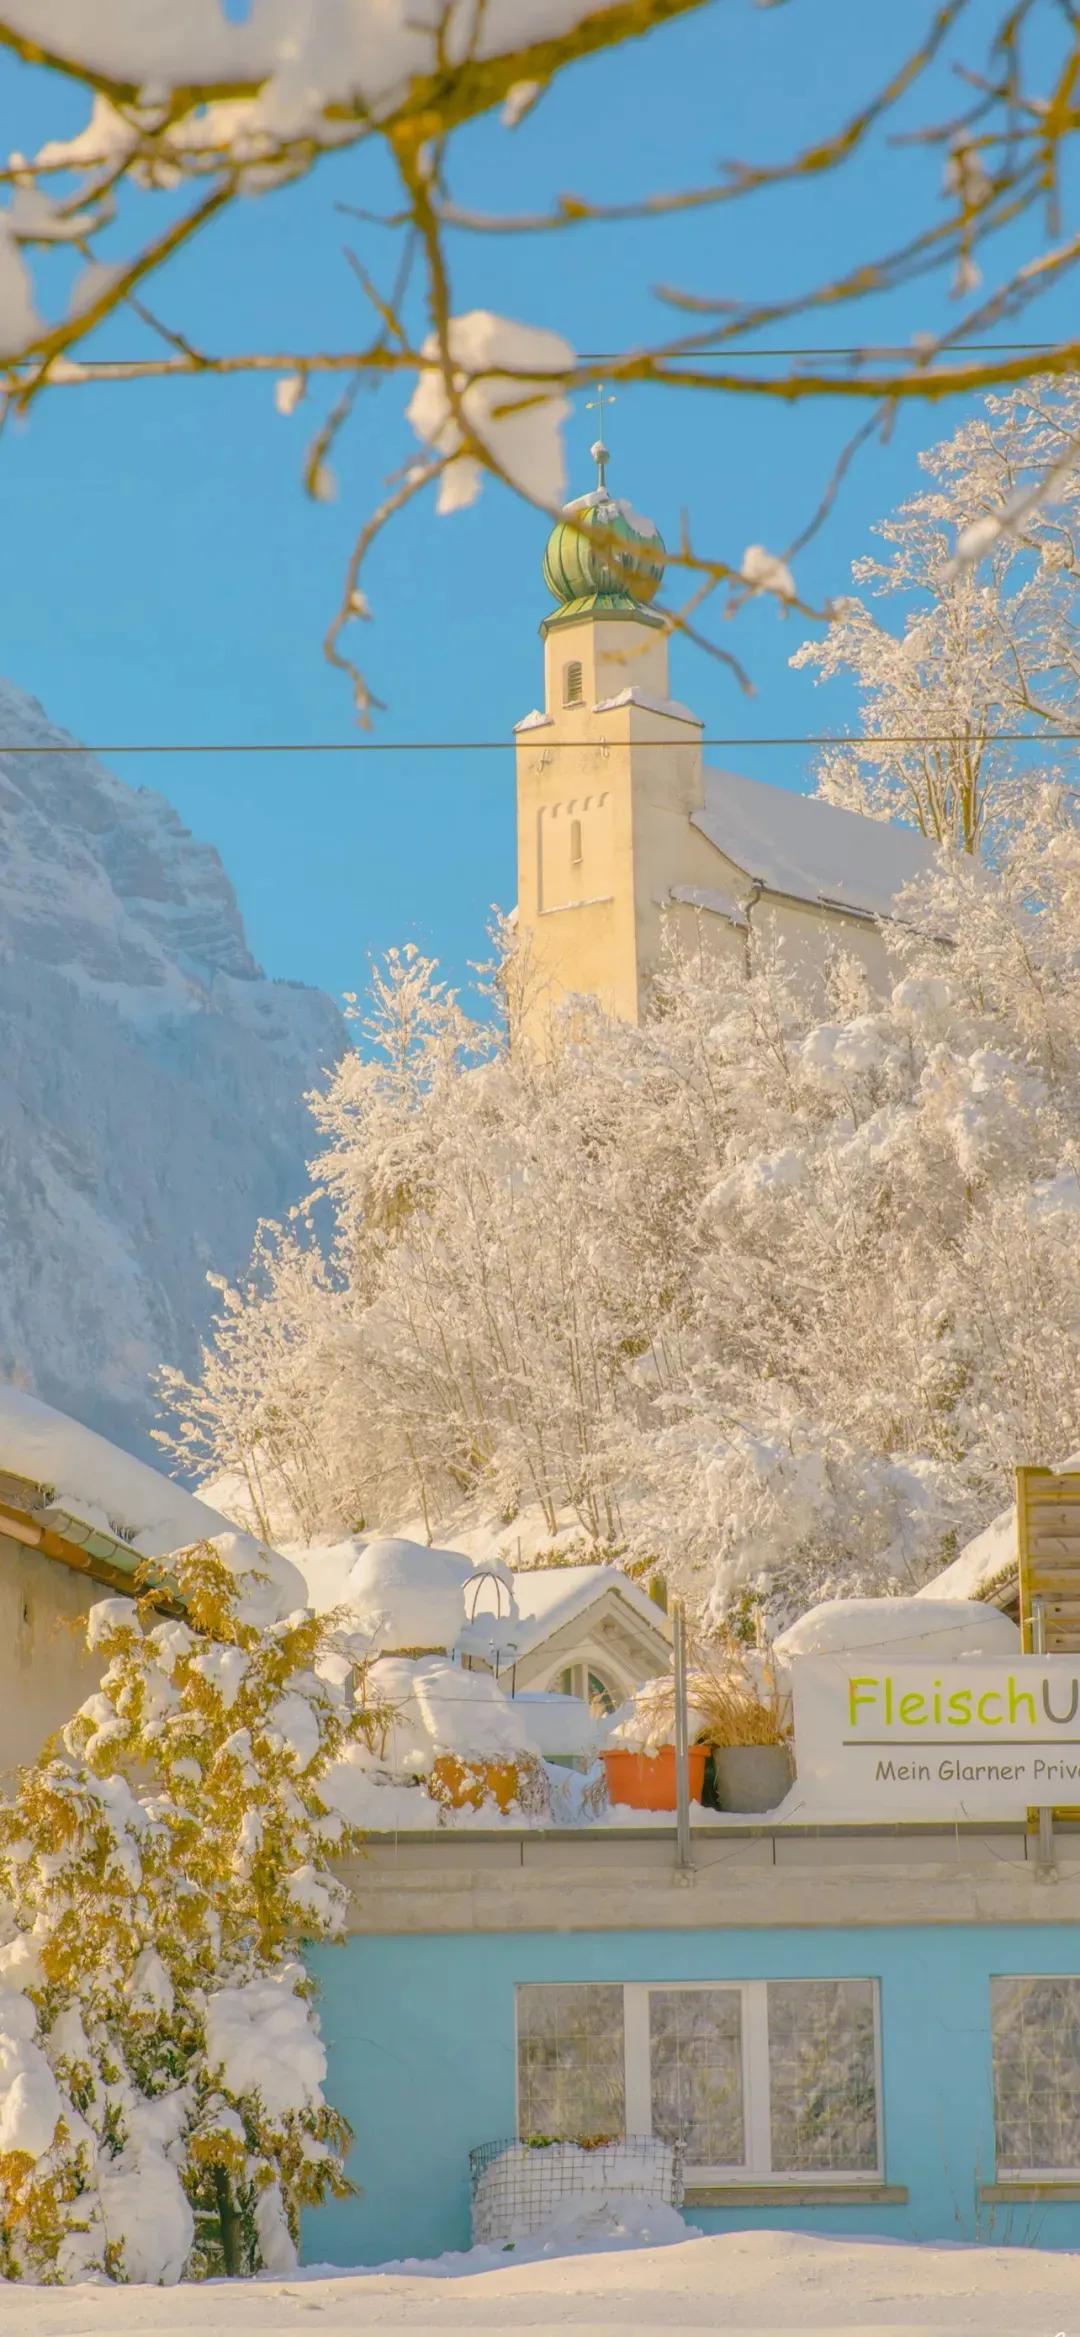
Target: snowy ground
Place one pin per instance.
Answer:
(771, 2283)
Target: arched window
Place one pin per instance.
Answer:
(576, 1680)
(573, 691)
(575, 843)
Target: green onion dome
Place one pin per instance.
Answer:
(604, 574)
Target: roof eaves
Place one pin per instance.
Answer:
(112, 1549)
(28, 1516)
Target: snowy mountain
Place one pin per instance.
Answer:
(151, 1103)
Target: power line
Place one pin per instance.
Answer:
(502, 746)
(844, 349)
(866, 349)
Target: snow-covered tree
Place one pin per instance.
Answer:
(161, 2073)
(772, 1291)
(983, 569)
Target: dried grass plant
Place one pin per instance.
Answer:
(730, 1704)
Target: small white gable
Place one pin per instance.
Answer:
(550, 1597)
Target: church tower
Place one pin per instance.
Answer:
(608, 770)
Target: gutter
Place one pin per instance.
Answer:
(28, 1518)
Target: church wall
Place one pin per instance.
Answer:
(575, 870)
(614, 655)
(575, 850)
(698, 932)
(809, 937)
(576, 836)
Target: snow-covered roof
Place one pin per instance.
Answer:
(982, 1563)
(84, 1479)
(988, 1559)
(796, 845)
(935, 1628)
(550, 1596)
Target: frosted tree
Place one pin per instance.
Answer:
(263, 1380)
(981, 569)
(161, 1867)
(771, 1291)
(183, 122)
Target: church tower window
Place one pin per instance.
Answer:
(573, 691)
(575, 843)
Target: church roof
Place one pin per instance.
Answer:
(809, 850)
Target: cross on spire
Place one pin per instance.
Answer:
(598, 450)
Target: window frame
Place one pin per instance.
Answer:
(1004, 2173)
(756, 2079)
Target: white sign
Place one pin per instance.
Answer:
(893, 1741)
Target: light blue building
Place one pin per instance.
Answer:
(861, 2031)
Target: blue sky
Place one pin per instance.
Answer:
(165, 578)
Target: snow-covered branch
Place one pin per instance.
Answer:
(198, 107)
(962, 701)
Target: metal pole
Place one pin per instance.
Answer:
(1044, 1857)
(684, 1856)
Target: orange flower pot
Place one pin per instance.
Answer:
(646, 1781)
(467, 1785)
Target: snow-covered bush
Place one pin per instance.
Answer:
(161, 2073)
(772, 1291)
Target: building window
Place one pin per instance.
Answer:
(571, 2078)
(575, 843)
(822, 2077)
(573, 690)
(758, 2080)
(600, 1698)
(696, 2073)
(1036, 2052)
(577, 1680)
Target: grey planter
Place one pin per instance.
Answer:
(751, 1777)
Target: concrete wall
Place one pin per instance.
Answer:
(421, 2038)
(45, 1670)
(620, 1878)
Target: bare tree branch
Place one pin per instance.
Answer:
(218, 126)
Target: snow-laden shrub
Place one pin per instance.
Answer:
(162, 2112)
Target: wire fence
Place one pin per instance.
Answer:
(517, 2187)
